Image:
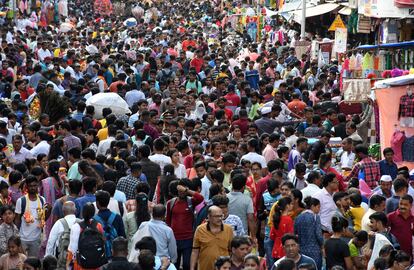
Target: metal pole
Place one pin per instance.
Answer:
(303, 21)
(14, 11)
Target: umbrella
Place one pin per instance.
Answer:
(131, 22)
(65, 27)
(108, 100)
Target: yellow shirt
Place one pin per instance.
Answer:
(357, 213)
(211, 245)
(102, 134)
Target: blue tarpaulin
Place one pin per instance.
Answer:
(404, 44)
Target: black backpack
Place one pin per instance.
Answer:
(91, 246)
(165, 76)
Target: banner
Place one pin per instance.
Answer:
(341, 35)
(356, 90)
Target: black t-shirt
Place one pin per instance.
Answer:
(316, 149)
(336, 251)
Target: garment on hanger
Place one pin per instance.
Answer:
(397, 140)
(406, 108)
(408, 149)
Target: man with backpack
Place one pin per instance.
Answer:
(29, 219)
(58, 242)
(180, 217)
(111, 222)
(166, 74)
(193, 82)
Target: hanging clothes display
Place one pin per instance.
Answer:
(406, 110)
(397, 140)
(408, 149)
(367, 64)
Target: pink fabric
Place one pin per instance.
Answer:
(397, 140)
(364, 188)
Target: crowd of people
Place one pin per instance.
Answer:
(235, 154)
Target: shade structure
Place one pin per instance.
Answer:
(315, 11)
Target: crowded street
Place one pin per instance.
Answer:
(206, 135)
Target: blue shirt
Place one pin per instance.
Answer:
(392, 204)
(120, 196)
(388, 169)
(164, 237)
(252, 76)
(80, 202)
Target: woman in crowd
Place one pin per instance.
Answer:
(309, 230)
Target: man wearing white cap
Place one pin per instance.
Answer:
(267, 123)
(385, 187)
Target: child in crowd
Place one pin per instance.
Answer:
(357, 211)
(14, 258)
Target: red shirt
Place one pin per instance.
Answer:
(285, 226)
(261, 187)
(233, 100)
(402, 229)
(243, 124)
(181, 218)
(187, 43)
(197, 63)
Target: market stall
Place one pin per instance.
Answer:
(395, 98)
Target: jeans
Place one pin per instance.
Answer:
(268, 247)
(31, 248)
(184, 248)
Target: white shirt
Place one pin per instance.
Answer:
(104, 145)
(20, 156)
(365, 220)
(29, 231)
(205, 188)
(56, 232)
(41, 148)
(160, 159)
(310, 190)
(255, 157)
(291, 141)
(328, 208)
(180, 171)
(347, 159)
(42, 54)
(9, 136)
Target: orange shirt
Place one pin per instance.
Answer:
(297, 106)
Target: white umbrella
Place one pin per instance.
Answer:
(108, 100)
(131, 22)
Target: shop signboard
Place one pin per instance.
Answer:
(340, 40)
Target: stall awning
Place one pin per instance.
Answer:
(387, 45)
(402, 80)
(315, 11)
(345, 11)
